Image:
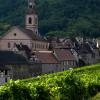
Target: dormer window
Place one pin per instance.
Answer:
(30, 20)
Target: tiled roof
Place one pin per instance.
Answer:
(46, 57)
(31, 34)
(28, 32)
(9, 57)
(63, 54)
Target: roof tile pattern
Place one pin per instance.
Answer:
(46, 57)
(64, 54)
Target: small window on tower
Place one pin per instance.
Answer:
(30, 20)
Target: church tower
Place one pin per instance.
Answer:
(31, 20)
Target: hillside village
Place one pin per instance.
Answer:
(24, 53)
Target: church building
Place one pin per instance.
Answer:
(27, 36)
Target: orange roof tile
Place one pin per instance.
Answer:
(46, 57)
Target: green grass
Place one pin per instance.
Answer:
(97, 97)
(76, 84)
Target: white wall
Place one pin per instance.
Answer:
(11, 38)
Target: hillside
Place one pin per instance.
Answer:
(74, 84)
(78, 17)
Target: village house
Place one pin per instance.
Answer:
(89, 53)
(66, 59)
(65, 43)
(48, 62)
(54, 61)
(10, 63)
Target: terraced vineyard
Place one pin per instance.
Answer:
(75, 84)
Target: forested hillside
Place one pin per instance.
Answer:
(78, 17)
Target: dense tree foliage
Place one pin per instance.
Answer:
(72, 17)
(74, 84)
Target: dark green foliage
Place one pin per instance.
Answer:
(76, 84)
(71, 17)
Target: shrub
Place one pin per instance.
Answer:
(77, 84)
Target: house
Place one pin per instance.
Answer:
(15, 66)
(66, 59)
(9, 65)
(48, 62)
(95, 49)
(89, 51)
(86, 54)
(54, 61)
(65, 43)
(27, 36)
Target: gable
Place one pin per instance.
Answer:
(17, 34)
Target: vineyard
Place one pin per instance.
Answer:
(74, 84)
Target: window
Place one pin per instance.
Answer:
(9, 45)
(14, 34)
(14, 45)
(6, 79)
(35, 45)
(36, 32)
(64, 63)
(43, 46)
(30, 20)
(30, 6)
(36, 20)
(6, 72)
(32, 45)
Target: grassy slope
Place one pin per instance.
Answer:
(73, 84)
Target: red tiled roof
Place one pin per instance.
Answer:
(63, 54)
(46, 57)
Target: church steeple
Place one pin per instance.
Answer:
(31, 22)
